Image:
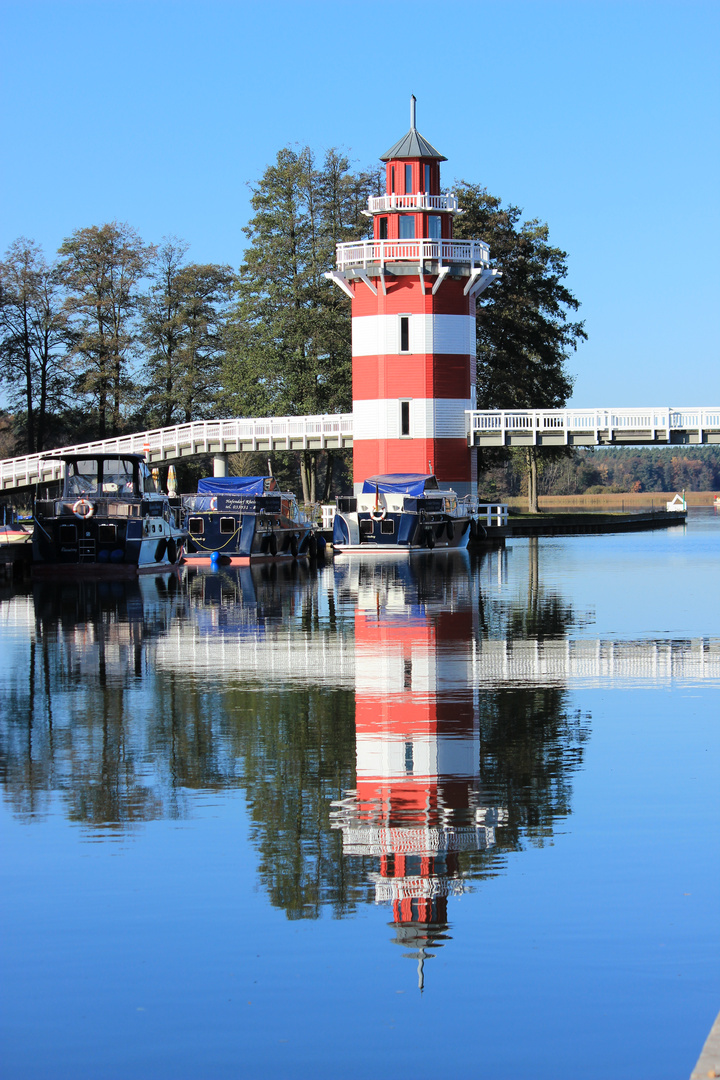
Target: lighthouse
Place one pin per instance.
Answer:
(413, 289)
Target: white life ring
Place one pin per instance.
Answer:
(379, 515)
(83, 509)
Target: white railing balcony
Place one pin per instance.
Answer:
(362, 253)
(420, 200)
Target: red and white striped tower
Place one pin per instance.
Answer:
(413, 290)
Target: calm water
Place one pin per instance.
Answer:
(407, 818)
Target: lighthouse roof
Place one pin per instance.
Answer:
(412, 145)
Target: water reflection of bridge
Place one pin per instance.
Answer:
(207, 646)
(327, 661)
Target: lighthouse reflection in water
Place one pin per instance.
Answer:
(418, 804)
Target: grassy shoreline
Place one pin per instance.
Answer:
(642, 500)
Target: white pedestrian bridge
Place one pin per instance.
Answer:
(518, 427)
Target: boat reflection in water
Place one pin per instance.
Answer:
(418, 804)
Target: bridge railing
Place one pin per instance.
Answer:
(589, 421)
(181, 440)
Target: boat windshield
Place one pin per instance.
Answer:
(82, 477)
(100, 476)
(117, 477)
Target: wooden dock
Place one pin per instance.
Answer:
(575, 524)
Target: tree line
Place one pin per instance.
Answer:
(611, 470)
(114, 334)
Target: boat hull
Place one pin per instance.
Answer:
(248, 537)
(393, 533)
(101, 545)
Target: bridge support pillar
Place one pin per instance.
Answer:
(220, 463)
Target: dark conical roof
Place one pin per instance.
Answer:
(412, 145)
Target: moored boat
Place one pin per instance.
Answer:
(110, 519)
(239, 519)
(401, 512)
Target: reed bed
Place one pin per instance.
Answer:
(628, 500)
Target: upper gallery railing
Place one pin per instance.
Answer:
(362, 252)
(198, 437)
(592, 421)
(380, 204)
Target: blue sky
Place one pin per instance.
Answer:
(600, 118)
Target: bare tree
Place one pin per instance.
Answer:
(34, 339)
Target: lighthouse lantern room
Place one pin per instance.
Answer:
(413, 289)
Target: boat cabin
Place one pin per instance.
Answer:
(123, 476)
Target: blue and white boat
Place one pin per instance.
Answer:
(401, 512)
(239, 519)
(110, 519)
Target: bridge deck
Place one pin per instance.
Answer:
(166, 445)
(519, 427)
(593, 427)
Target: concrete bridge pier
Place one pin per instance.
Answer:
(220, 464)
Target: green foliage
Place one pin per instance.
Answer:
(672, 468)
(183, 320)
(289, 344)
(101, 269)
(147, 339)
(608, 470)
(524, 330)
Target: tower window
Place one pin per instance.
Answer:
(407, 226)
(382, 228)
(408, 179)
(404, 417)
(427, 179)
(434, 226)
(405, 333)
(392, 178)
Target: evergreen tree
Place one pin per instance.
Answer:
(162, 331)
(183, 328)
(101, 268)
(289, 346)
(524, 329)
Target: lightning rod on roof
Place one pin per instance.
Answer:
(412, 112)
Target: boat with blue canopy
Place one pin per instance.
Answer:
(238, 519)
(401, 512)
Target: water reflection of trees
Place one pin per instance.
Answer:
(92, 717)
